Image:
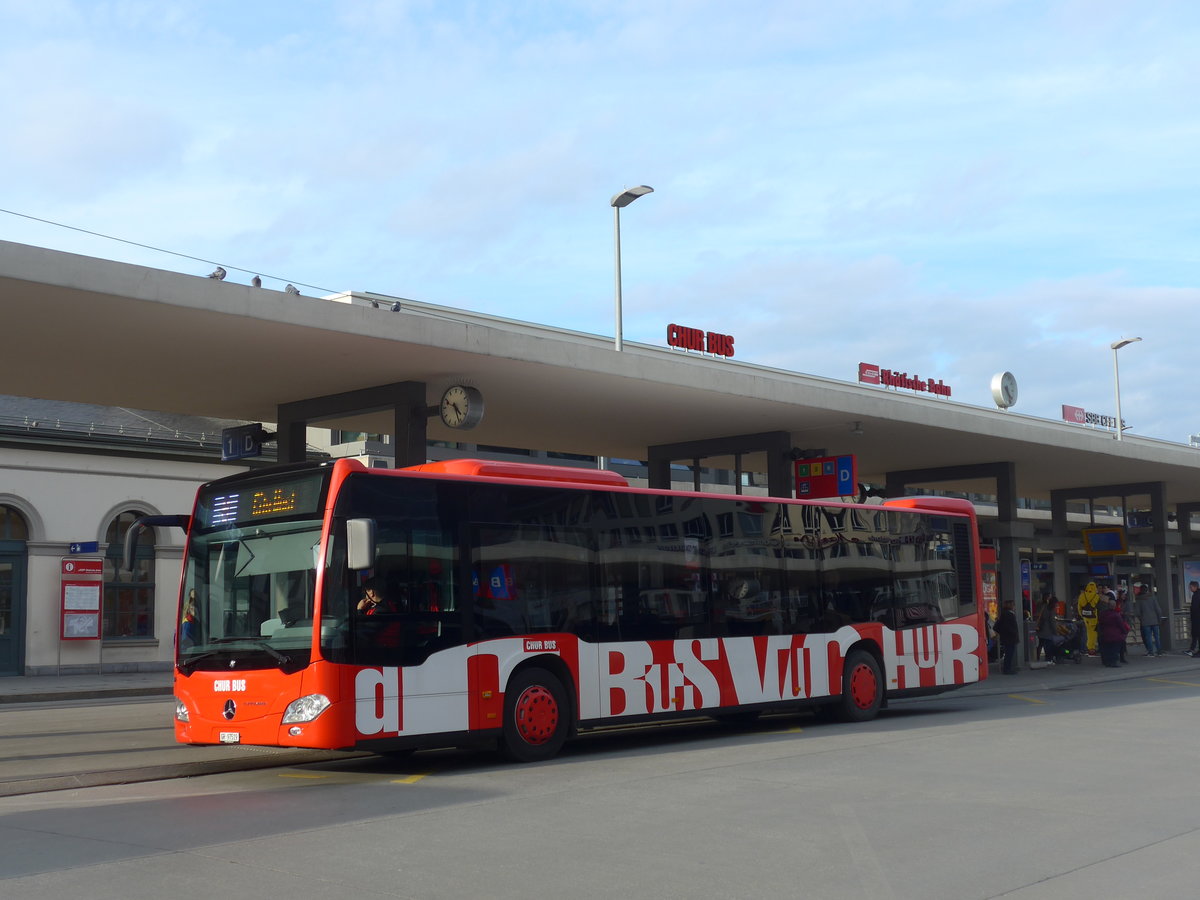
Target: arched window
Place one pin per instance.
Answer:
(13, 526)
(128, 596)
(14, 531)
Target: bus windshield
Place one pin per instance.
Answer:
(249, 597)
(249, 590)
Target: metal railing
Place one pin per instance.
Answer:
(149, 432)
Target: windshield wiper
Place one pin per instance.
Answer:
(185, 665)
(282, 659)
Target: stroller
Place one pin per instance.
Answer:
(1068, 643)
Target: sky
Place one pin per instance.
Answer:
(948, 188)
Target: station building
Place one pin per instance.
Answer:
(365, 374)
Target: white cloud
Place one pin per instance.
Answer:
(961, 187)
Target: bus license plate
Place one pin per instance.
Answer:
(230, 737)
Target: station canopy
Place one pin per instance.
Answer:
(90, 330)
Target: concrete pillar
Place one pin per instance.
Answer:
(291, 445)
(1007, 532)
(776, 444)
(406, 400)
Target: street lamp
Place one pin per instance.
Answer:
(1117, 345)
(621, 200)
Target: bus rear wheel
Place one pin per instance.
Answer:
(535, 716)
(862, 688)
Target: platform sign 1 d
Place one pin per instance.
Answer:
(243, 441)
(826, 476)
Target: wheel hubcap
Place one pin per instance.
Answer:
(862, 686)
(536, 713)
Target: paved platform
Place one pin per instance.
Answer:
(74, 731)
(39, 688)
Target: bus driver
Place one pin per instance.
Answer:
(380, 634)
(372, 601)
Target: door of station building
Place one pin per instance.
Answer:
(12, 610)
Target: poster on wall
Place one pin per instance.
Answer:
(1190, 573)
(80, 626)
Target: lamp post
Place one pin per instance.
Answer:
(1117, 345)
(619, 201)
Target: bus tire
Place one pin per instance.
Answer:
(535, 716)
(862, 688)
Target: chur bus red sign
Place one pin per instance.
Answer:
(684, 338)
(869, 373)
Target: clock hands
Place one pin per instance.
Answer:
(461, 407)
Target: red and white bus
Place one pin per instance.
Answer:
(523, 604)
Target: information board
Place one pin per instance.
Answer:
(82, 591)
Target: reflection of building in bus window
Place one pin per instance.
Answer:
(747, 606)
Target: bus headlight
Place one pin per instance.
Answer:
(181, 713)
(305, 709)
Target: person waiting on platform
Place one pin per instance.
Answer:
(1111, 630)
(1150, 615)
(1047, 627)
(1009, 635)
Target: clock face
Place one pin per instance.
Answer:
(1004, 389)
(461, 407)
(1008, 387)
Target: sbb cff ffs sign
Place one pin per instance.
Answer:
(684, 338)
(826, 476)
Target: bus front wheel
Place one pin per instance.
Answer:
(862, 688)
(535, 716)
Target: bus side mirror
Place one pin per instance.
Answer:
(360, 544)
(141, 522)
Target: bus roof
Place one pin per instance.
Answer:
(484, 468)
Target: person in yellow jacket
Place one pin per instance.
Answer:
(1089, 600)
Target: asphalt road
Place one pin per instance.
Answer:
(1044, 792)
(62, 744)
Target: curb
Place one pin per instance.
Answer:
(271, 760)
(1039, 678)
(51, 696)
